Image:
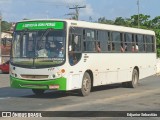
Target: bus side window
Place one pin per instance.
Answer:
(136, 44)
(98, 49)
(123, 46)
(141, 44)
(149, 44)
(153, 44)
(128, 42)
(75, 43)
(133, 43)
(102, 41)
(89, 41)
(116, 40)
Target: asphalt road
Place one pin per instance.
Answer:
(106, 98)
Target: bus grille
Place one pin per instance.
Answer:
(34, 86)
(34, 76)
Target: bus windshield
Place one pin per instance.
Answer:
(38, 48)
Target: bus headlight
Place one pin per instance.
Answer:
(59, 74)
(56, 75)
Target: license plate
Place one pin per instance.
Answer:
(53, 86)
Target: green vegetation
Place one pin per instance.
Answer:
(145, 22)
(6, 26)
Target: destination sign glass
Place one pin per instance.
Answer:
(40, 25)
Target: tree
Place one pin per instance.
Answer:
(156, 22)
(6, 26)
(157, 31)
(120, 21)
(143, 20)
(128, 22)
(105, 21)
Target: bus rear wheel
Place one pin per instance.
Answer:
(86, 85)
(134, 82)
(38, 91)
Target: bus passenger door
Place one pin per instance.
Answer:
(75, 50)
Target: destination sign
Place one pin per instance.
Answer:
(40, 25)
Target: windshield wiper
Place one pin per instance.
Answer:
(45, 33)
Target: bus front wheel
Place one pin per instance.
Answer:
(38, 91)
(86, 85)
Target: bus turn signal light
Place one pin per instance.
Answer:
(63, 71)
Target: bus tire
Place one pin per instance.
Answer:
(86, 85)
(38, 91)
(135, 79)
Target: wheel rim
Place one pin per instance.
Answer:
(135, 79)
(86, 84)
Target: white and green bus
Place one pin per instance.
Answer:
(67, 55)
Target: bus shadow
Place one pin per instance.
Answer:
(53, 94)
(8, 92)
(27, 93)
(60, 94)
(106, 87)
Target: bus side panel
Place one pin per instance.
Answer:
(109, 68)
(75, 81)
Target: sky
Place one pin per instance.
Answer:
(16, 10)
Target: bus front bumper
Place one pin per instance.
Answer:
(55, 84)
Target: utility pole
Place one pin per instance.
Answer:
(138, 13)
(0, 38)
(77, 7)
(71, 14)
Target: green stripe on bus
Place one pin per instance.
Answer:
(37, 84)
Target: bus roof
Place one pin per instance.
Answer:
(84, 24)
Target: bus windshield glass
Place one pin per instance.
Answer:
(39, 44)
